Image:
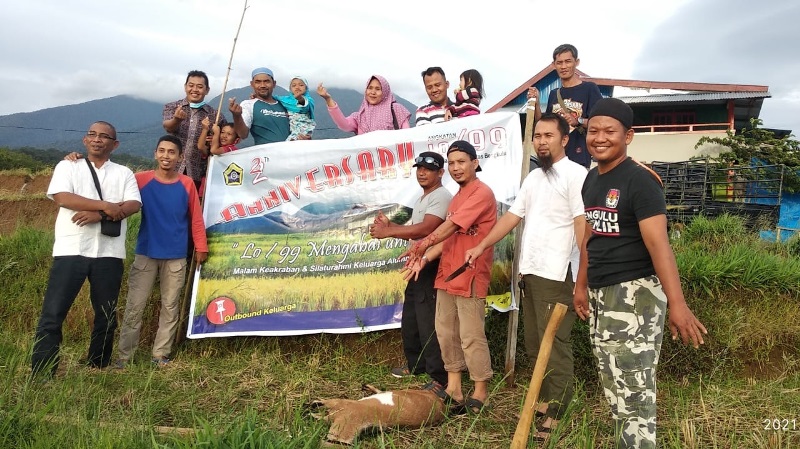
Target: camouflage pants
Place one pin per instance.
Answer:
(626, 329)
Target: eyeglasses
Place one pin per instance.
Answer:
(427, 160)
(91, 135)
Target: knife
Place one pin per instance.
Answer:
(458, 271)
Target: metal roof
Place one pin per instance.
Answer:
(694, 96)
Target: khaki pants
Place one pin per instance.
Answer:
(171, 274)
(462, 339)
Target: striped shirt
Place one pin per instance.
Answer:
(431, 113)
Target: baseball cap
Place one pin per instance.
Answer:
(465, 147)
(261, 70)
(429, 160)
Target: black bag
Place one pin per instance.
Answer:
(108, 227)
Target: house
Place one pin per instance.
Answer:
(669, 117)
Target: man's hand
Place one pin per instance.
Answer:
(180, 114)
(682, 321)
(114, 211)
(580, 300)
(472, 254)
(411, 269)
(235, 108)
(84, 217)
(74, 156)
(533, 93)
(200, 257)
(448, 115)
(303, 137)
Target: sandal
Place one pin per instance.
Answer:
(439, 390)
(542, 429)
(473, 406)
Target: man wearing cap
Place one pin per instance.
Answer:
(461, 300)
(420, 344)
(628, 275)
(263, 115)
(183, 119)
(551, 199)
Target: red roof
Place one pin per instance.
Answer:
(687, 86)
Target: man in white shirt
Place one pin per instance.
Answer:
(550, 198)
(82, 252)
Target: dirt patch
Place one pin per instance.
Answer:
(23, 203)
(38, 213)
(24, 184)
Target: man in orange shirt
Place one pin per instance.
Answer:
(461, 300)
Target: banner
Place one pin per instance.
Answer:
(288, 228)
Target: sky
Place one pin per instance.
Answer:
(58, 53)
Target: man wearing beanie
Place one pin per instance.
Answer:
(628, 275)
(420, 345)
(263, 115)
(461, 289)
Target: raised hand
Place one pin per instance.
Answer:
(234, 107)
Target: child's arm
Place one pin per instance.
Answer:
(201, 141)
(215, 149)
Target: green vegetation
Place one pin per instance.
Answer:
(34, 160)
(754, 143)
(250, 392)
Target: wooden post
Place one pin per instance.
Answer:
(520, 440)
(513, 315)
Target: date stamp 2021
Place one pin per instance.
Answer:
(780, 424)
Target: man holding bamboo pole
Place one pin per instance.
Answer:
(550, 197)
(183, 118)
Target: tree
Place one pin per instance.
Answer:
(759, 146)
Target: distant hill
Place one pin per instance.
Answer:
(138, 121)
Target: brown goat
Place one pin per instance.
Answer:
(401, 408)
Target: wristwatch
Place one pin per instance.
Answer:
(581, 121)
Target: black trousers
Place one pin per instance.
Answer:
(418, 327)
(67, 276)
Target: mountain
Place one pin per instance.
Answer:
(138, 121)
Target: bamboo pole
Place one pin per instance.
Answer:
(183, 309)
(520, 440)
(513, 315)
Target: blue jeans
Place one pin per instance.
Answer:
(67, 276)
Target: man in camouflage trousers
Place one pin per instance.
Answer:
(627, 275)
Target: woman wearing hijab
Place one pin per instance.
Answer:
(379, 110)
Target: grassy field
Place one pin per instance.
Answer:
(741, 390)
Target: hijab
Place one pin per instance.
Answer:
(379, 116)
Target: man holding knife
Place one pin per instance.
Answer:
(461, 288)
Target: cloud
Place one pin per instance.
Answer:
(731, 41)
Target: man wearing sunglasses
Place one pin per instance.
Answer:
(420, 345)
(82, 252)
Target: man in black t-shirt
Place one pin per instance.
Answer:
(576, 100)
(627, 275)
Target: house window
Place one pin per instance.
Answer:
(674, 118)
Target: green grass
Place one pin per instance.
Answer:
(250, 392)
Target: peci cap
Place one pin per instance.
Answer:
(429, 160)
(614, 108)
(464, 147)
(261, 70)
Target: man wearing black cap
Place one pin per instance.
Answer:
(461, 295)
(420, 345)
(628, 275)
